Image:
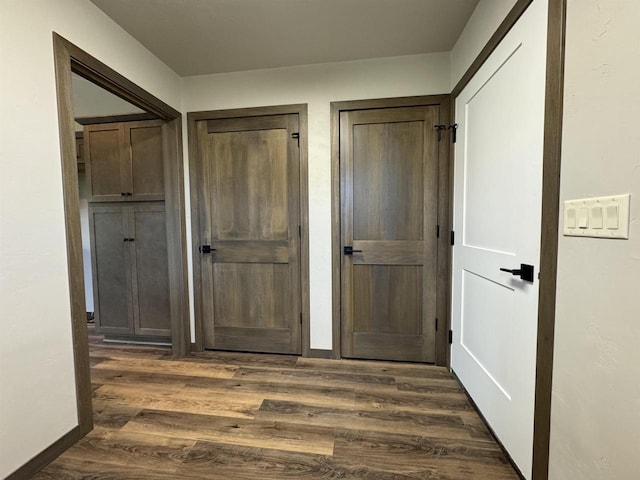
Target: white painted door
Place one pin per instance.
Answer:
(497, 213)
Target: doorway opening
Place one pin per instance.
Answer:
(119, 149)
(70, 60)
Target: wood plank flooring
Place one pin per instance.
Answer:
(221, 415)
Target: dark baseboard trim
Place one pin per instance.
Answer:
(47, 456)
(318, 353)
(486, 423)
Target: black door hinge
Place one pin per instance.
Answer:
(300, 318)
(437, 231)
(454, 129)
(296, 135)
(436, 324)
(300, 231)
(450, 337)
(453, 237)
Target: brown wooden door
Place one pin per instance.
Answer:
(111, 264)
(130, 269)
(145, 175)
(106, 169)
(250, 217)
(150, 270)
(388, 169)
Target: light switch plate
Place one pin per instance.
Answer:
(606, 217)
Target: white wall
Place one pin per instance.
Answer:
(90, 100)
(37, 397)
(318, 85)
(595, 424)
(86, 240)
(485, 20)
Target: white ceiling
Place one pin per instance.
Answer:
(196, 37)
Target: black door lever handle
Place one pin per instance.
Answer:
(525, 272)
(348, 250)
(513, 272)
(206, 249)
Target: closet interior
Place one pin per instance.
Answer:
(121, 185)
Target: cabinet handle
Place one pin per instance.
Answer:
(128, 239)
(124, 194)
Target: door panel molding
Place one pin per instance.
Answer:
(213, 117)
(443, 182)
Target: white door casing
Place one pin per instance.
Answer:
(497, 220)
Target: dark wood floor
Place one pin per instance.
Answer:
(242, 416)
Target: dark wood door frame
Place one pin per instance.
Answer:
(552, 150)
(70, 58)
(195, 168)
(444, 221)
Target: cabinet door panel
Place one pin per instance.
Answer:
(124, 161)
(111, 272)
(147, 174)
(152, 313)
(103, 154)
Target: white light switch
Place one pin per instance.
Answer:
(596, 218)
(600, 217)
(583, 217)
(570, 218)
(613, 217)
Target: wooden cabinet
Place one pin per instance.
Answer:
(130, 269)
(80, 149)
(125, 180)
(124, 161)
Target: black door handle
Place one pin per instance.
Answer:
(525, 272)
(206, 249)
(348, 250)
